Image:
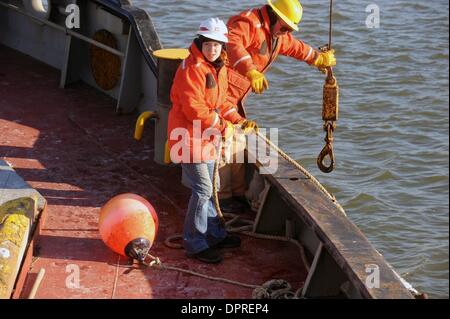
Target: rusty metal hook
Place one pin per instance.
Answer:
(327, 150)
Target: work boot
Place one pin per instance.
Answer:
(231, 241)
(209, 256)
(230, 205)
(242, 200)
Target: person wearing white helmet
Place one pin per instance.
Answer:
(214, 29)
(198, 96)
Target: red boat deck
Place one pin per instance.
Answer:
(71, 146)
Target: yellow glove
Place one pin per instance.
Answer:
(229, 131)
(325, 59)
(249, 126)
(259, 81)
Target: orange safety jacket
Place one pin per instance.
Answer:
(198, 95)
(251, 46)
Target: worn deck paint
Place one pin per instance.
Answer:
(71, 146)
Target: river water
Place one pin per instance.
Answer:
(392, 139)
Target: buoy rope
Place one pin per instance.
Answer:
(272, 289)
(156, 263)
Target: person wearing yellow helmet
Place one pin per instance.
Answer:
(258, 36)
(290, 12)
(255, 38)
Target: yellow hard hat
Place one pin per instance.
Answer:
(290, 11)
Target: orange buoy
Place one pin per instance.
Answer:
(128, 224)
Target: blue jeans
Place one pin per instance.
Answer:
(202, 227)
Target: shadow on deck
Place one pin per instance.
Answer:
(72, 147)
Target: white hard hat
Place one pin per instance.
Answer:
(215, 29)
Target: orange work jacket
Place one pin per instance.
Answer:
(251, 46)
(198, 96)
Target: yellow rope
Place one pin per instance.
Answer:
(215, 179)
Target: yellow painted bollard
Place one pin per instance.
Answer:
(167, 159)
(15, 221)
(168, 62)
(141, 122)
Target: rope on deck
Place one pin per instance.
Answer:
(156, 263)
(266, 290)
(272, 289)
